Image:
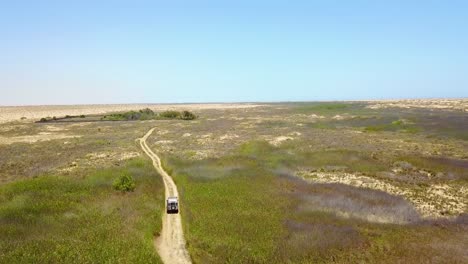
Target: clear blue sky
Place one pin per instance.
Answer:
(58, 52)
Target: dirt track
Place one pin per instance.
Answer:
(171, 244)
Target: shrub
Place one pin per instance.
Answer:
(186, 115)
(132, 115)
(147, 111)
(170, 114)
(82, 116)
(43, 119)
(148, 114)
(124, 183)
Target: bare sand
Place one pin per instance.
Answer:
(446, 104)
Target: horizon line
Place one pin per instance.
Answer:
(243, 102)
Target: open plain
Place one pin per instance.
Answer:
(305, 182)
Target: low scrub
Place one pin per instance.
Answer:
(54, 118)
(397, 125)
(184, 115)
(281, 219)
(143, 114)
(148, 114)
(54, 219)
(170, 114)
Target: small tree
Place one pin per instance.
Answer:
(124, 183)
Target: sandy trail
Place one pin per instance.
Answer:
(171, 244)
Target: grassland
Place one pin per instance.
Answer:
(81, 220)
(361, 182)
(266, 215)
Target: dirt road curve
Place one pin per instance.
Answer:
(171, 244)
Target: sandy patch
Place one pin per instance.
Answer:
(433, 201)
(447, 104)
(42, 136)
(54, 128)
(228, 137)
(164, 142)
(162, 132)
(95, 158)
(278, 140)
(111, 156)
(314, 116)
(6, 128)
(199, 155)
(295, 134)
(343, 117)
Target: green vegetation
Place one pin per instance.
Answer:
(143, 114)
(397, 125)
(186, 115)
(277, 158)
(319, 107)
(54, 118)
(124, 183)
(55, 219)
(236, 173)
(170, 114)
(210, 205)
(280, 219)
(148, 114)
(448, 168)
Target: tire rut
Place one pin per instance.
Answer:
(170, 245)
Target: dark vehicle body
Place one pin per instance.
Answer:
(172, 205)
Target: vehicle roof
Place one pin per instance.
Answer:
(172, 199)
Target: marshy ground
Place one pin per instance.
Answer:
(338, 182)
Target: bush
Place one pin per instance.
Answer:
(147, 111)
(43, 119)
(170, 114)
(124, 183)
(148, 114)
(186, 115)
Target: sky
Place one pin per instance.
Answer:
(88, 52)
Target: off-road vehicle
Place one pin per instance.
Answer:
(172, 205)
